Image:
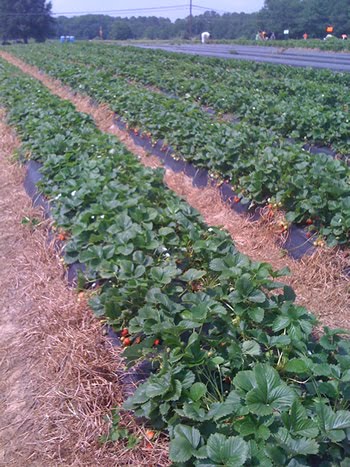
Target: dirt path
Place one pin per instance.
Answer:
(17, 254)
(17, 386)
(58, 373)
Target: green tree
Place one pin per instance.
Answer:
(278, 15)
(340, 16)
(25, 19)
(316, 17)
(84, 27)
(299, 16)
(120, 30)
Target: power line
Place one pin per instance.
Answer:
(44, 12)
(207, 8)
(121, 11)
(127, 10)
(169, 8)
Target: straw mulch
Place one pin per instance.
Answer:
(58, 372)
(318, 280)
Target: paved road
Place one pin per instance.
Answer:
(295, 57)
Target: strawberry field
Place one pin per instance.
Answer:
(255, 136)
(238, 376)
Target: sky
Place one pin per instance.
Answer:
(172, 9)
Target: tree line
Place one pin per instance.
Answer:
(227, 26)
(24, 19)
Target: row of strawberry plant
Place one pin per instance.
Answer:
(297, 108)
(238, 377)
(215, 69)
(260, 165)
(292, 106)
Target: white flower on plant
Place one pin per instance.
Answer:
(74, 193)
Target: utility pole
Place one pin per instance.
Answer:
(190, 20)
